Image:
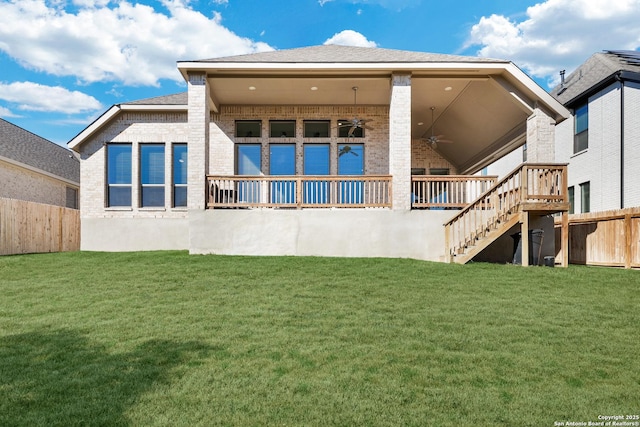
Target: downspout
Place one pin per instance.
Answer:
(621, 80)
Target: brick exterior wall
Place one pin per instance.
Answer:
(134, 128)
(423, 156)
(199, 120)
(25, 184)
(599, 164)
(540, 137)
(174, 127)
(400, 141)
(632, 144)
(222, 153)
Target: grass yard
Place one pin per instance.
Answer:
(169, 339)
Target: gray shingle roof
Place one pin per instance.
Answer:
(173, 99)
(347, 54)
(25, 147)
(594, 70)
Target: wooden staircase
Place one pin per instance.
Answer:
(530, 189)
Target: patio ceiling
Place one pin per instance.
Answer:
(482, 114)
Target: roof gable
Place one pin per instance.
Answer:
(598, 68)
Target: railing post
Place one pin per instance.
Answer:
(299, 192)
(524, 183)
(524, 238)
(447, 243)
(564, 239)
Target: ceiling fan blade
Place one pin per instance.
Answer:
(353, 128)
(367, 127)
(445, 141)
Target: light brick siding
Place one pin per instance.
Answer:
(199, 120)
(632, 144)
(423, 156)
(134, 128)
(168, 128)
(376, 143)
(24, 184)
(400, 140)
(540, 137)
(600, 163)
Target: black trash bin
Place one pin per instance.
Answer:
(535, 246)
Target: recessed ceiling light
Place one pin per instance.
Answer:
(448, 88)
(314, 87)
(420, 123)
(252, 88)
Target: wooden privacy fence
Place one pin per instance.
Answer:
(28, 227)
(609, 238)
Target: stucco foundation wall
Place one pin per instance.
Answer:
(134, 234)
(343, 233)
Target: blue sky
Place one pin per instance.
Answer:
(64, 62)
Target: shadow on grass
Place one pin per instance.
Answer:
(60, 378)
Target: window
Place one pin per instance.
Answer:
(343, 130)
(524, 153)
(282, 129)
(119, 175)
(351, 162)
(572, 200)
(581, 138)
(585, 197)
(72, 198)
(248, 128)
(316, 162)
(248, 158)
(316, 128)
(151, 175)
(316, 159)
(282, 161)
(180, 175)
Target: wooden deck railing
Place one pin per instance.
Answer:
(448, 191)
(540, 188)
(299, 191)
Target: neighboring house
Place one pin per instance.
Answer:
(324, 150)
(35, 169)
(601, 141)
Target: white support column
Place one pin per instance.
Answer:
(540, 137)
(400, 141)
(198, 148)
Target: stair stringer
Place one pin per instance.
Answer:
(488, 238)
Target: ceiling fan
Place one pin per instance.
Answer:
(355, 123)
(435, 139)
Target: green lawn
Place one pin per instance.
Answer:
(165, 338)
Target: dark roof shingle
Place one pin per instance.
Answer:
(346, 54)
(599, 67)
(25, 147)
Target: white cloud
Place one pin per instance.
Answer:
(36, 97)
(5, 112)
(350, 38)
(558, 34)
(124, 42)
(389, 4)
